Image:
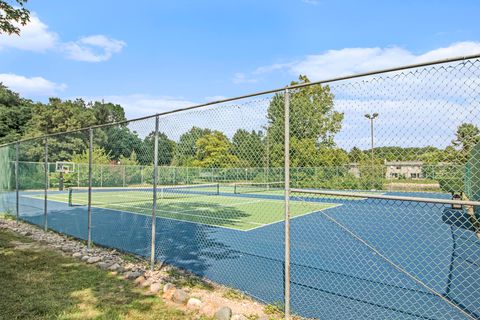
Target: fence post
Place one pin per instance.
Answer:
(287, 202)
(155, 183)
(17, 194)
(45, 204)
(90, 169)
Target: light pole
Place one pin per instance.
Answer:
(371, 117)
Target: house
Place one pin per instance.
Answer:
(403, 169)
(395, 169)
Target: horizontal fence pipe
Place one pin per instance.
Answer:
(386, 197)
(259, 93)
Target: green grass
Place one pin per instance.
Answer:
(37, 283)
(235, 212)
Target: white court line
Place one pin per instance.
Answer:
(260, 225)
(105, 206)
(194, 215)
(299, 216)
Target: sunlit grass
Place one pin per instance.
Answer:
(37, 283)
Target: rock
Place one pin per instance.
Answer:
(238, 317)
(77, 255)
(114, 267)
(94, 260)
(85, 258)
(139, 281)
(180, 296)
(168, 286)
(194, 304)
(67, 248)
(155, 287)
(103, 265)
(147, 283)
(208, 309)
(224, 313)
(168, 295)
(130, 275)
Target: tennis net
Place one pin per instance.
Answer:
(254, 187)
(114, 195)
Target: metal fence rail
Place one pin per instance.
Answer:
(331, 199)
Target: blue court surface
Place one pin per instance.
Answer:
(333, 274)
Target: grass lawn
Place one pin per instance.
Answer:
(38, 283)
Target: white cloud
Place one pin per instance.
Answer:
(95, 48)
(239, 78)
(31, 86)
(215, 98)
(35, 36)
(335, 63)
(312, 2)
(139, 105)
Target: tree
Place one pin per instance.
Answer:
(119, 141)
(99, 156)
(311, 114)
(57, 117)
(15, 113)
(356, 155)
(466, 137)
(166, 149)
(249, 147)
(186, 148)
(214, 151)
(372, 173)
(11, 17)
(107, 112)
(128, 161)
(312, 117)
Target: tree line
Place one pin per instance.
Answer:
(314, 124)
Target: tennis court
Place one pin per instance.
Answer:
(328, 286)
(220, 172)
(209, 204)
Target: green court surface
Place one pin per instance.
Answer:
(234, 212)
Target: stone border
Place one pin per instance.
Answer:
(176, 286)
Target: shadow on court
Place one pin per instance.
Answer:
(332, 274)
(203, 213)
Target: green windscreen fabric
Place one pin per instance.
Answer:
(7, 183)
(472, 176)
(6, 169)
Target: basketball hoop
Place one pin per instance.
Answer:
(64, 167)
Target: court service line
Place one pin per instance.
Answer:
(259, 225)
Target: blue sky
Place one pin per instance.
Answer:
(153, 56)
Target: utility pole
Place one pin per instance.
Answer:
(371, 117)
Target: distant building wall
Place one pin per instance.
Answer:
(395, 169)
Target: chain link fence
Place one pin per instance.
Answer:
(354, 198)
